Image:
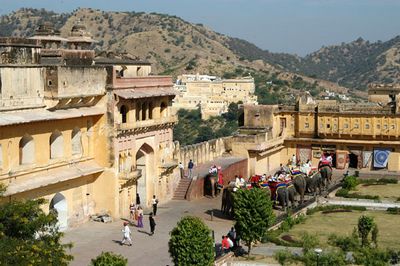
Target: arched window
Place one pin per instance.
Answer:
(76, 141)
(138, 111)
(123, 111)
(144, 111)
(26, 150)
(56, 145)
(163, 110)
(151, 110)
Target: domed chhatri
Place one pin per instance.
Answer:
(80, 38)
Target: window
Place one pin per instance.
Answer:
(26, 150)
(138, 110)
(306, 125)
(123, 111)
(76, 141)
(378, 126)
(163, 110)
(56, 145)
(356, 126)
(1, 156)
(366, 126)
(392, 126)
(328, 125)
(151, 110)
(346, 126)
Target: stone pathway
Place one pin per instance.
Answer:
(92, 238)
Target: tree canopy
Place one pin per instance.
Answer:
(253, 214)
(191, 243)
(28, 236)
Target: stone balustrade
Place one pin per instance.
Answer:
(202, 152)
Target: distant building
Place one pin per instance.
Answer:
(212, 94)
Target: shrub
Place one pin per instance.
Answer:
(326, 258)
(191, 243)
(345, 243)
(283, 256)
(167, 50)
(309, 242)
(371, 257)
(343, 192)
(335, 207)
(350, 182)
(109, 259)
(365, 225)
(359, 196)
(394, 210)
(379, 181)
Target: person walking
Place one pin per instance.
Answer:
(132, 209)
(137, 199)
(181, 169)
(126, 235)
(140, 217)
(190, 168)
(152, 224)
(154, 202)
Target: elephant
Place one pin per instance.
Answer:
(280, 194)
(291, 194)
(227, 201)
(300, 184)
(326, 174)
(210, 186)
(313, 183)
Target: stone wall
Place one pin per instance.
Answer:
(202, 152)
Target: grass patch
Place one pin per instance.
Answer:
(324, 225)
(378, 181)
(390, 191)
(394, 210)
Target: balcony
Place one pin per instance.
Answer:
(133, 175)
(149, 124)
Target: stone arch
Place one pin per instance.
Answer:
(56, 145)
(26, 150)
(59, 206)
(76, 141)
(145, 163)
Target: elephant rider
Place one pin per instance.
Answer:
(274, 185)
(220, 178)
(255, 181)
(325, 161)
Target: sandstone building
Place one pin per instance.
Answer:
(86, 134)
(359, 136)
(212, 94)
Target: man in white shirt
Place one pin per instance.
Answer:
(126, 234)
(181, 169)
(294, 161)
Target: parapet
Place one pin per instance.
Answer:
(19, 51)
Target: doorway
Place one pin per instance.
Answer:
(353, 161)
(58, 205)
(144, 163)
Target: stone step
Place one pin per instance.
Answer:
(181, 190)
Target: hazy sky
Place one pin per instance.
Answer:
(294, 26)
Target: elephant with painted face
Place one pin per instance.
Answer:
(314, 182)
(279, 193)
(300, 184)
(326, 174)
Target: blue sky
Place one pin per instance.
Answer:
(294, 26)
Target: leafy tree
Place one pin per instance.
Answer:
(253, 214)
(365, 225)
(233, 112)
(191, 243)
(28, 236)
(109, 259)
(374, 235)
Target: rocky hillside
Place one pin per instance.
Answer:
(352, 65)
(175, 46)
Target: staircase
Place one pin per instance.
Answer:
(181, 190)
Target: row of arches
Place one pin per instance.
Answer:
(56, 146)
(144, 111)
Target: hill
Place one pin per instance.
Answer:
(353, 65)
(175, 46)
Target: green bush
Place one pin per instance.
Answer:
(327, 258)
(345, 243)
(350, 182)
(283, 256)
(379, 181)
(359, 196)
(191, 243)
(109, 259)
(371, 257)
(394, 210)
(343, 192)
(309, 242)
(335, 207)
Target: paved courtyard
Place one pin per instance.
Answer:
(92, 238)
